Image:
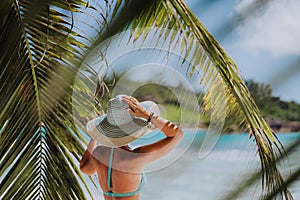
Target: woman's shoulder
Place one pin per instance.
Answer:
(100, 149)
(100, 154)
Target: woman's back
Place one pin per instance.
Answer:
(119, 172)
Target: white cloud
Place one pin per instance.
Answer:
(276, 30)
(244, 5)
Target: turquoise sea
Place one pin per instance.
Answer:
(183, 174)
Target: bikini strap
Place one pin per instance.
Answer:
(111, 194)
(110, 167)
(127, 194)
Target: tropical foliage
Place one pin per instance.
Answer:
(42, 46)
(271, 106)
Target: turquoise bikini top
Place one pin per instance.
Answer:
(127, 194)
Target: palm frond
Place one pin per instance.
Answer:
(238, 96)
(237, 93)
(207, 57)
(41, 51)
(38, 148)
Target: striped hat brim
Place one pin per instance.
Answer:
(111, 131)
(115, 136)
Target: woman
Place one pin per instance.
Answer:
(118, 167)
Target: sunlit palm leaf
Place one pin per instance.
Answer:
(176, 15)
(38, 148)
(41, 51)
(238, 95)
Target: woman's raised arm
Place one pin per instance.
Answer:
(158, 149)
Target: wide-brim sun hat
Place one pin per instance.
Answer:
(117, 127)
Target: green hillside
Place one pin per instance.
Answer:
(274, 110)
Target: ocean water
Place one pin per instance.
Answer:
(230, 162)
(227, 161)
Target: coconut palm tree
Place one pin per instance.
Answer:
(43, 45)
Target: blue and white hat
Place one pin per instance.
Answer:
(118, 127)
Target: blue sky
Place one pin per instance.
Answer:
(263, 42)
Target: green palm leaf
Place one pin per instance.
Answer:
(41, 52)
(220, 69)
(38, 148)
(238, 97)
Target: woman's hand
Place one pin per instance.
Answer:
(135, 108)
(168, 128)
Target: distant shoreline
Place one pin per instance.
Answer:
(279, 126)
(276, 125)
